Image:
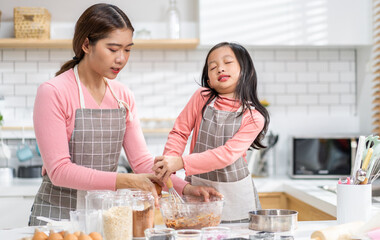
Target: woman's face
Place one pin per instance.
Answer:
(109, 55)
(223, 71)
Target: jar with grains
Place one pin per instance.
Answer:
(117, 217)
(143, 211)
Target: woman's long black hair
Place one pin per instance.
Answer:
(246, 89)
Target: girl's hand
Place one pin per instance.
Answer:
(139, 181)
(166, 165)
(198, 191)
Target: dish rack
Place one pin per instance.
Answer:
(31, 22)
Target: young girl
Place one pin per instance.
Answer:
(226, 118)
(82, 120)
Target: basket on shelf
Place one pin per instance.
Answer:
(31, 22)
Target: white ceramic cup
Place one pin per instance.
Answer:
(354, 202)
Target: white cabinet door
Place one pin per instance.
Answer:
(15, 211)
(286, 22)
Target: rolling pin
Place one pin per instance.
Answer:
(338, 232)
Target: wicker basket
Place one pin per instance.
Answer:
(31, 22)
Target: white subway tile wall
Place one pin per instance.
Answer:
(309, 82)
(167, 78)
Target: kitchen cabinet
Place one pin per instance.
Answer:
(280, 200)
(286, 23)
(15, 211)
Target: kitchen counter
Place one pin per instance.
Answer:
(308, 191)
(305, 190)
(303, 232)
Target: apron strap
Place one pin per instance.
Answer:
(122, 104)
(81, 98)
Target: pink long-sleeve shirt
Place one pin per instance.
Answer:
(190, 120)
(54, 117)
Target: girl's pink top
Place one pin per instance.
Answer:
(190, 119)
(54, 117)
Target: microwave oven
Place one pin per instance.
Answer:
(322, 157)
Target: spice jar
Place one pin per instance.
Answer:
(117, 217)
(143, 211)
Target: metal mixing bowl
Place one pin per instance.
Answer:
(273, 220)
(194, 213)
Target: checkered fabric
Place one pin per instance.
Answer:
(95, 143)
(216, 129)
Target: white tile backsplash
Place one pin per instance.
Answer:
(316, 87)
(26, 67)
(37, 55)
(13, 55)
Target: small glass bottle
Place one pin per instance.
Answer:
(143, 211)
(173, 20)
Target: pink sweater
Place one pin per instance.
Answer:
(54, 117)
(190, 119)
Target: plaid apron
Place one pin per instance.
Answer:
(95, 143)
(233, 181)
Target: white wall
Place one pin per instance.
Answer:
(311, 91)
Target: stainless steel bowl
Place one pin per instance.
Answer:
(273, 220)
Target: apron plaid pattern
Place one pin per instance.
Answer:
(95, 143)
(216, 128)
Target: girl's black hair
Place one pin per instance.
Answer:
(246, 89)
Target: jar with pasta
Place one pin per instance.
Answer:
(117, 217)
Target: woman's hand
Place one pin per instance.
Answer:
(204, 191)
(166, 165)
(139, 181)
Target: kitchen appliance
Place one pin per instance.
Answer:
(322, 157)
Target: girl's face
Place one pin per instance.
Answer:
(223, 71)
(109, 55)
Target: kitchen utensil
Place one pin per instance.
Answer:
(367, 159)
(188, 234)
(358, 158)
(273, 220)
(360, 176)
(354, 202)
(159, 234)
(343, 231)
(215, 233)
(194, 213)
(173, 193)
(24, 153)
(371, 142)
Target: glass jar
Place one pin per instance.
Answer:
(143, 211)
(215, 233)
(188, 234)
(117, 217)
(159, 234)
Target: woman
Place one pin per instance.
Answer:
(82, 119)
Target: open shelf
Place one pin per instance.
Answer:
(66, 43)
